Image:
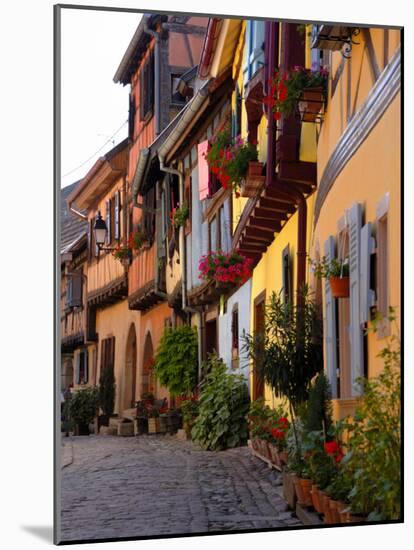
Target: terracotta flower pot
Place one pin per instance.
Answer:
(315, 499)
(340, 507)
(254, 180)
(255, 168)
(299, 492)
(311, 103)
(339, 287)
(334, 511)
(306, 485)
(352, 517)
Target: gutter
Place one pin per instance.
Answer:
(157, 87)
(139, 174)
(208, 48)
(76, 212)
(272, 50)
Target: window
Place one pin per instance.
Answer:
(74, 289)
(382, 272)
(147, 87)
(82, 367)
(117, 215)
(343, 320)
(108, 353)
(131, 116)
(176, 96)
(255, 35)
(287, 276)
(237, 113)
(235, 333)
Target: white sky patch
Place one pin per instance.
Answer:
(93, 106)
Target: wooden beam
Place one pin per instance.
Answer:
(267, 214)
(299, 172)
(258, 234)
(275, 205)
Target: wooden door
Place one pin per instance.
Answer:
(259, 311)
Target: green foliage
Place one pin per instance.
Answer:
(176, 360)
(189, 410)
(180, 215)
(317, 413)
(330, 268)
(374, 455)
(224, 403)
(289, 352)
(267, 423)
(84, 405)
(107, 388)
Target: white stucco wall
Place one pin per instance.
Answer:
(242, 299)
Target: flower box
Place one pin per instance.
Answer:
(339, 287)
(252, 184)
(153, 425)
(310, 103)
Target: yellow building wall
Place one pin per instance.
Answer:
(373, 171)
(116, 320)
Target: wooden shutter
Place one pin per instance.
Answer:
(90, 239)
(356, 336)
(117, 208)
(77, 368)
(86, 367)
(76, 289)
(203, 170)
(131, 116)
(330, 337)
(367, 295)
(108, 221)
(150, 82)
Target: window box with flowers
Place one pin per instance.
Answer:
(179, 216)
(227, 270)
(123, 254)
(232, 160)
(138, 240)
(299, 89)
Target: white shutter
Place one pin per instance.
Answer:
(256, 60)
(247, 49)
(356, 336)
(330, 325)
(366, 295)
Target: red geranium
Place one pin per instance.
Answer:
(333, 449)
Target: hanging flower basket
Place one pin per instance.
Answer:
(254, 180)
(311, 103)
(339, 287)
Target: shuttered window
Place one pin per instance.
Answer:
(287, 279)
(147, 87)
(74, 288)
(203, 170)
(82, 367)
(108, 353)
(254, 59)
(330, 338)
(131, 116)
(356, 333)
(108, 221)
(367, 294)
(117, 208)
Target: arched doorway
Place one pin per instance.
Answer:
(148, 379)
(130, 379)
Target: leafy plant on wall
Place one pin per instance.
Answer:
(176, 360)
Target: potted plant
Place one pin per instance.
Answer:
(83, 408)
(299, 88)
(142, 418)
(229, 159)
(137, 240)
(253, 182)
(226, 269)
(179, 216)
(337, 271)
(123, 253)
(153, 420)
(106, 395)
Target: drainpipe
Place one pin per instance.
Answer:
(286, 189)
(157, 87)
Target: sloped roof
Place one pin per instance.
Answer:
(71, 226)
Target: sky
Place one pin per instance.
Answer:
(94, 108)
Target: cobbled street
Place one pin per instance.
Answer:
(153, 485)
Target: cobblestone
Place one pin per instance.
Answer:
(154, 485)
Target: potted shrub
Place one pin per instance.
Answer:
(176, 360)
(226, 269)
(224, 403)
(337, 271)
(83, 408)
(298, 89)
(106, 395)
(229, 159)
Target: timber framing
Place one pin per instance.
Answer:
(109, 294)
